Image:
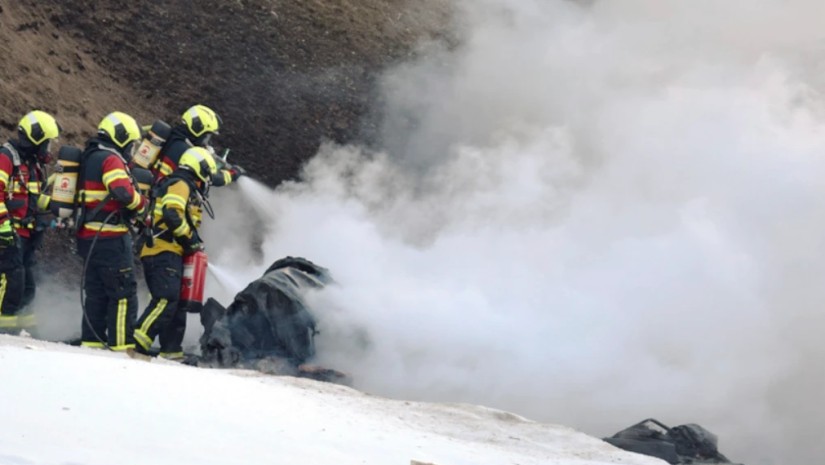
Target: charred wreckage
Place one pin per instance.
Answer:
(268, 326)
(683, 444)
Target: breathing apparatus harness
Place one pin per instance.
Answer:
(33, 219)
(201, 195)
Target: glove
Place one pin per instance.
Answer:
(237, 171)
(138, 215)
(142, 213)
(193, 246)
(7, 236)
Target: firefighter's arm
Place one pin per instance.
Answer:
(222, 178)
(6, 170)
(165, 166)
(44, 200)
(119, 184)
(6, 229)
(173, 205)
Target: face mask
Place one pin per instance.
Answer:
(203, 141)
(128, 151)
(44, 151)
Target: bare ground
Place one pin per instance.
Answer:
(284, 75)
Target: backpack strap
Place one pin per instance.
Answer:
(15, 161)
(15, 155)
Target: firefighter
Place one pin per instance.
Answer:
(109, 202)
(22, 204)
(197, 126)
(178, 211)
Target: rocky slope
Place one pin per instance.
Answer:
(283, 75)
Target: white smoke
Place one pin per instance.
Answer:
(586, 214)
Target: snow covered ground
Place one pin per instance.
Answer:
(67, 405)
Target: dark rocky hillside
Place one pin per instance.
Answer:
(284, 75)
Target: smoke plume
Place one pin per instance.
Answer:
(587, 213)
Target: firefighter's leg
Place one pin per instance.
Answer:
(29, 262)
(11, 293)
(171, 337)
(27, 318)
(12, 276)
(121, 290)
(93, 326)
(163, 275)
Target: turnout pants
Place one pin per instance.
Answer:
(171, 338)
(12, 285)
(30, 245)
(111, 293)
(161, 317)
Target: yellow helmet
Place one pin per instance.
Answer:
(199, 161)
(120, 128)
(200, 119)
(37, 127)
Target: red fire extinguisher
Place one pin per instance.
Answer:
(192, 282)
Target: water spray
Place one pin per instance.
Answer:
(225, 279)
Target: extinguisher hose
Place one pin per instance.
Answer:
(83, 281)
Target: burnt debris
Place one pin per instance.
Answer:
(268, 327)
(683, 444)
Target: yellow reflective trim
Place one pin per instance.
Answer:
(92, 345)
(95, 226)
(174, 205)
(3, 285)
(227, 177)
(114, 175)
(171, 355)
(43, 201)
(8, 321)
(121, 348)
(165, 169)
(94, 195)
(174, 199)
(182, 230)
(27, 321)
(120, 328)
(33, 187)
(135, 201)
(3, 208)
(4, 177)
(153, 315)
(143, 339)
